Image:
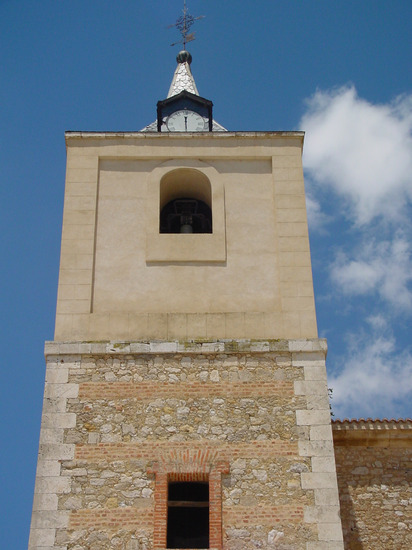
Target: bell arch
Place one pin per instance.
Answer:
(185, 202)
(200, 186)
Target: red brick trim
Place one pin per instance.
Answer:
(152, 390)
(186, 468)
(240, 516)
(114, 520)
(160, 450)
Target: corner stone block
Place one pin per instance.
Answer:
(59, 420)
(326, 497)
(330, 531)
(57, 375)
(317, 402)
(48, 520)
(49, 548)
(311, 480)
(310, 344)
(308, 359)
(52, 485)
(51, 348)
(69, 348)
(51, 435)
(313, 372)
(45, 502)
(41, 538)
(321, 514)
(61, 390)
(323, 464)
(310, 388)
(313, 418)
(50, 451)
(320, 433)
(48, 468)
(315, 448)
(301, 345)
(72, 361)
(57, 405)
(322, 545)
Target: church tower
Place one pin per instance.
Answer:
(186, 401)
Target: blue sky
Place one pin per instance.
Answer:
(341, 71)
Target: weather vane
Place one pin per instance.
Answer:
(183, 24)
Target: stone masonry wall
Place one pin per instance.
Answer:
(251, 416)
(374, 468)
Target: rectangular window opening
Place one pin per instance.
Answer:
(188, 514)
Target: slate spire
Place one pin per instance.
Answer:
(183, 78)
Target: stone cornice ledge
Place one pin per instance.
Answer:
(186, 346)
(70, 134)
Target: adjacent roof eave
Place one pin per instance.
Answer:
(185, 93)
(372, 433)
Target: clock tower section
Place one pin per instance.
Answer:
(186, 399)
(184, 111)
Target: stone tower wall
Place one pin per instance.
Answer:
(252, 417)
(154, 376)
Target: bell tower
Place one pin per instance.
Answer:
(186, 400)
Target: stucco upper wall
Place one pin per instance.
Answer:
(120, 278)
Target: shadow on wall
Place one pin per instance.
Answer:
(375, 491)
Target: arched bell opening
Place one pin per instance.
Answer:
(186, 215)
(185, 202)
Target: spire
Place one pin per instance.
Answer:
(190, 113)
(183, 78)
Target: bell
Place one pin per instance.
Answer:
(186, 228)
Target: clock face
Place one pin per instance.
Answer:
(186, 121)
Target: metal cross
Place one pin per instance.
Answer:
(183, 24)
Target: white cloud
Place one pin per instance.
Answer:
(358, 163)
(377, 322)
(362, 151)
(375, 377)
(380, 268)
(363, 154)
(317, 219)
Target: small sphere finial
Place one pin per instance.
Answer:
(184, 57)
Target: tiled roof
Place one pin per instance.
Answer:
(182, 80)
(372, 424)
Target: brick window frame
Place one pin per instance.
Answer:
(165, 472)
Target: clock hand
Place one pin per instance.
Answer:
(185, 123)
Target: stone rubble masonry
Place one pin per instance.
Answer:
(122, 419)
(374, 469)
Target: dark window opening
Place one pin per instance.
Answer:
(186, 216)
(188, 515)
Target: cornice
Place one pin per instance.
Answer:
(372, 432)
(71, 134)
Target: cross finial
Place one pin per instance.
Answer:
(183, 24)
